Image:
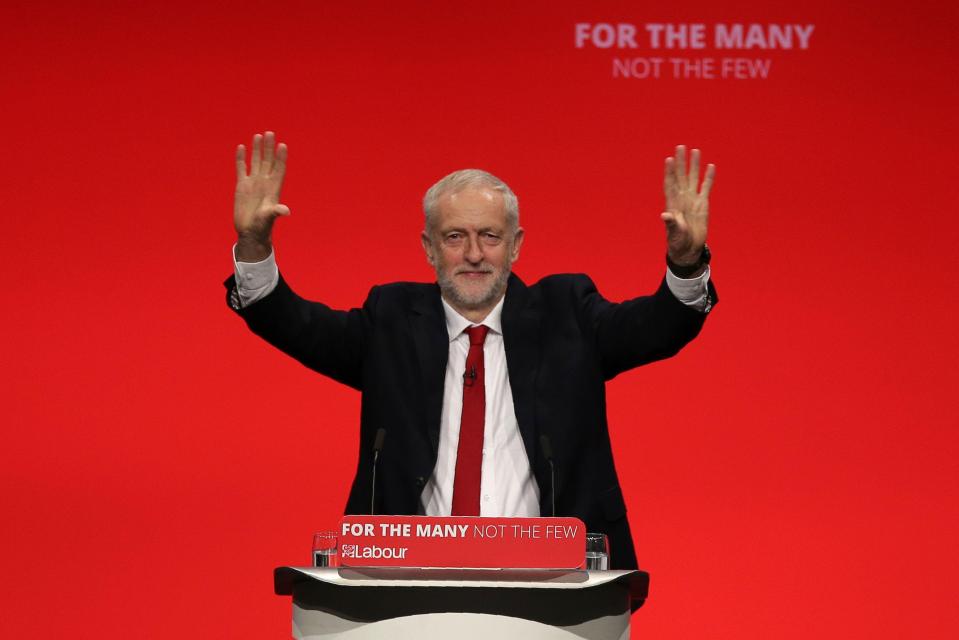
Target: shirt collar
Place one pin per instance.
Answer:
(457, 324)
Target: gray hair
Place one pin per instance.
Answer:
(460, 180)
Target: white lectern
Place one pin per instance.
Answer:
(465, 604)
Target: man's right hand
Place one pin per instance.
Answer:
(256, 203)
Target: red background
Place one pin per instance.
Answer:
(791, 474)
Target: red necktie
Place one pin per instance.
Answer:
(469, 452)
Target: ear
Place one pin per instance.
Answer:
(517, 243)
(427, 246)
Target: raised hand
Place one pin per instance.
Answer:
(256, 203)
(687, 206)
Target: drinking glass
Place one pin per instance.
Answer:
(597, 552)
(324, 549)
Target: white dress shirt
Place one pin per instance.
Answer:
(508, 487)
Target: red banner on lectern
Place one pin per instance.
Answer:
(474, 543)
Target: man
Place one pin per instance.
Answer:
(492, 392)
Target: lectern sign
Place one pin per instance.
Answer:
(421, 541)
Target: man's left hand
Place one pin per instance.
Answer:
(687, 206)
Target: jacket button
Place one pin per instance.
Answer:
(420, 482)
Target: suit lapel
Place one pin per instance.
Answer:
(521, 337)
(428, 325)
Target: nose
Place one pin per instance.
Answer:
(474, 252)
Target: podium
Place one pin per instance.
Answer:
(464, 604)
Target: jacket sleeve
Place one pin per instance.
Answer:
(329, 341)
(637, 331)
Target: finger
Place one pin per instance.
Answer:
(669, 182)
(694, 170)
(680, 167)
(279, 167)
(240, 162)
(269, 142)
(281, 210)
(256, 156)
(708, 180)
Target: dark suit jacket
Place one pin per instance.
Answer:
(563, 342)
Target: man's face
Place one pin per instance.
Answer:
(472, 248)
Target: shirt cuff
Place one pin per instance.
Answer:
(692, 292)
(255, 280)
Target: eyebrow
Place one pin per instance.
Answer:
(482, 230)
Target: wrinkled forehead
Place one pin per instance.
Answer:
(472, 206)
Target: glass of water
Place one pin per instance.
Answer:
(324, 549)
(597, 552)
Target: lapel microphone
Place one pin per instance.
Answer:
(469, 376)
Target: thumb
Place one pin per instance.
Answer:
(280, 210)
(672, 221)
